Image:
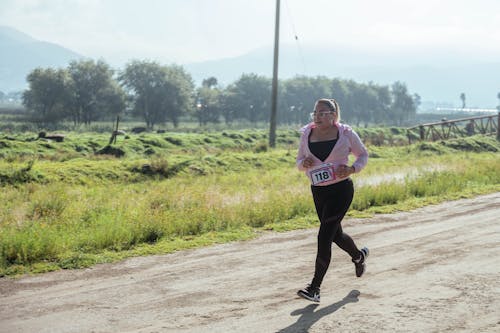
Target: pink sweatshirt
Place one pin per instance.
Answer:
(348, 142)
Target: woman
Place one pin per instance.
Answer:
(323, 155)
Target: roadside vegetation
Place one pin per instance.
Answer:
(80, 202)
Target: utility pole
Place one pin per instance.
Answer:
(274, 93)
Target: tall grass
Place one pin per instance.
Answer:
(58, 221)
(73, 208)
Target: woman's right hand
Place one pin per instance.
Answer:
(307, 162)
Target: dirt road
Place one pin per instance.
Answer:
(435, 269)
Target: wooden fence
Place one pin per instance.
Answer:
(446, 129)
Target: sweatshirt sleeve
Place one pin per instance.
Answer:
(359, 151)
(302, 153)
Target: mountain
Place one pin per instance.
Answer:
(439, 76)
(22, 53)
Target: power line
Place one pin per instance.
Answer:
(296, 38)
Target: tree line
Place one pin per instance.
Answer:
(87, 91)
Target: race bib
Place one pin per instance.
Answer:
(322, 173)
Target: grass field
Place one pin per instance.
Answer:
(81, 202)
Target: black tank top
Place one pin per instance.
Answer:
(322, 149)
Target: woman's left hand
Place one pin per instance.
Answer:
(344, 171)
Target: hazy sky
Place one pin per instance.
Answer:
(183, 31)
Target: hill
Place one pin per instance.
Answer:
(21, 53)
(438, 76)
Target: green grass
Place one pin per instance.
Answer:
(75, 209)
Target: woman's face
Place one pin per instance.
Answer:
(323, 116)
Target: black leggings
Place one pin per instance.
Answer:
(332, 203)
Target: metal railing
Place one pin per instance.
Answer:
(446, 129)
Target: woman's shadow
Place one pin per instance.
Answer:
(308, 317)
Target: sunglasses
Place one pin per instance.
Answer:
(320, 114)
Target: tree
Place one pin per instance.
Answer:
(298, 97)
(113, 100)
(144, 81)
(403, 105)
(228, 104)
(383, 106)
(363, 102)
(462, 98)
(417, 100)
(160, 93)
(250, 96)
(15, 97)
(49, 94)
(94, 88)
(208, 102)
(209, 82)
(498, 107)
(179, 92)
(350, 111)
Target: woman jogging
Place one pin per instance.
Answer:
(323, 155)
